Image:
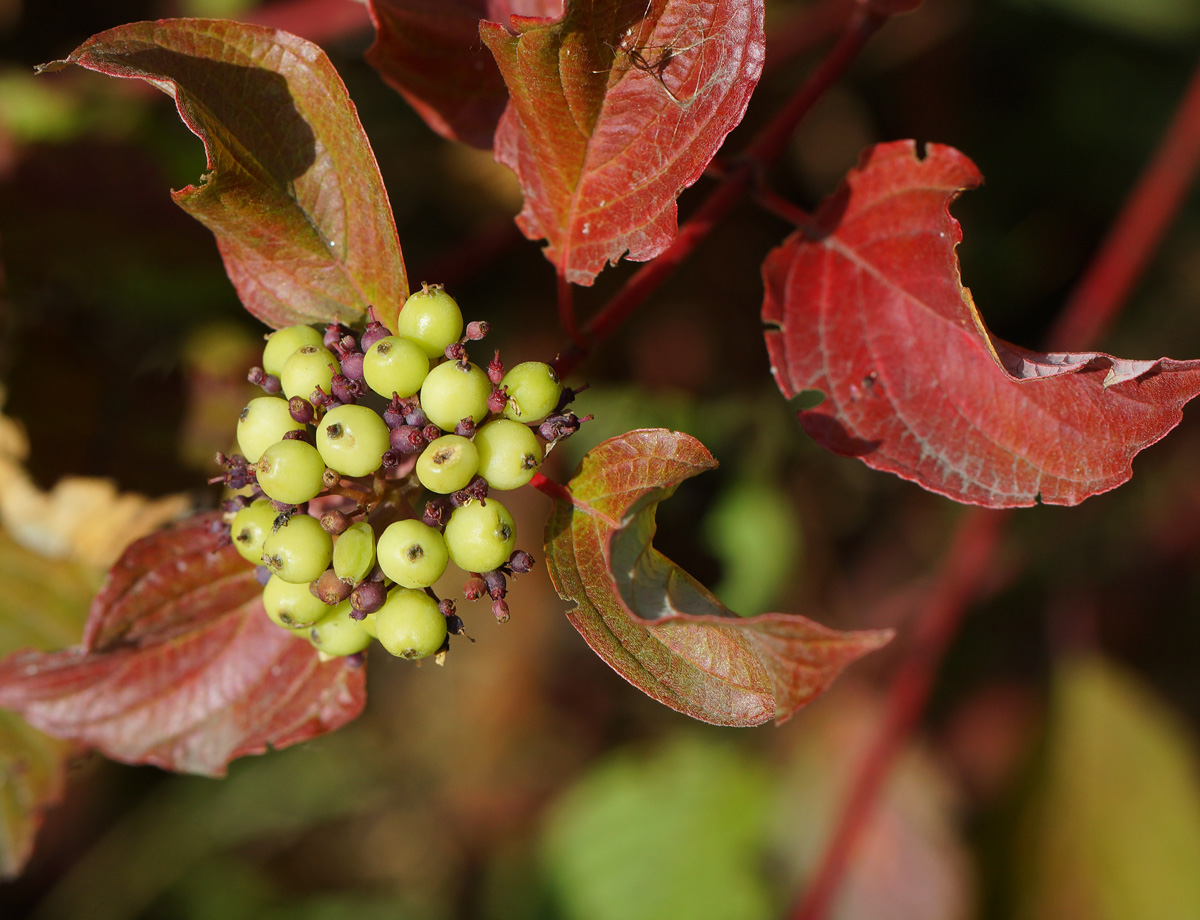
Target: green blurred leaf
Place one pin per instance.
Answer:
(752, 529)
(1114, 832)
(31, 779)
(1171, 20)
(677, 834)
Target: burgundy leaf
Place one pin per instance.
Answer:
(870, 311)
(429, 51)
(293, 193)
(180, 666)
(616, 109)
(657, 626)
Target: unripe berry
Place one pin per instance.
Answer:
(480, 537)
(452, 392)
(447, 464)
(395, 365)
(430, 317)
(412, 554)
(533, 392)
(250, 528)
(352, 439)
(283, 343)
(291, 472)
(308, 368)
(292, 606)
(264, 421)
(509, 453)
(354, 553)
(339, 634)
(299, 550)
(409, 624)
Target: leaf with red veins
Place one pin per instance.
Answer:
(868, 308)
(180, 666)
(429, 51)
(293, 193)
(617, 108)
(657, 626)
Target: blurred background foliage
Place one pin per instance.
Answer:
(1055, 774)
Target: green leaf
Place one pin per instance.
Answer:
(657, 626)
(293, 193)
(676, 834)
(1114, 833)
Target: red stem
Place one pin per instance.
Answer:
(1137, 230)
(1096, 301)
(763, 151)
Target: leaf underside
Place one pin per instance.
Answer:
(653, 623)
(293, 193)
(616, 108)
(180, 666)
(867, 307)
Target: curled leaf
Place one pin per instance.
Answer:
(616, 108)
(657, 626)
(180, 666)
(293, 193)
(866, 306)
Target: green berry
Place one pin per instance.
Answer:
(293, 606)
(368, 623)
(291, 472)
(339, 634)
(412, 554)
(352, 439)
(395, 365)
(447, 464)
(309, 367)
(509, 453)
(480, 536)
(409, 624)
(299, 550)
(250, 527)
(430, 317)
(452, 392)
(354, 552)
(533, 392)
(264, 421)
(283, 343)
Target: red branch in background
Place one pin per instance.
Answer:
(763, 150)
(1097, 299)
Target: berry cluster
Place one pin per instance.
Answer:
(327, 468)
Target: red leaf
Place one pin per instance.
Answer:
(615, 110)
(871, 312)
(180, 666)
(294, 194)
(653, 623)
(429, 51)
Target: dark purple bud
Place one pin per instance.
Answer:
(374, 332)
(557, 427)
(330, 589)
(465, 427)
(342, 389)
(495, 584)
(301, 410)
(497, 400)
(235, 504)
(474, 588)
(390, 458)
(355, 661)
(500, 610)
(352, 365)
(334, 333)
(322, 400)
(432, 432)
(477, 329)
(407, 439)
(416, 418)
(262, 574)
(495, 369)
(437, 512)
(367, 598)
(476, 490)
(456, 351)
(335, 522)
(520, 562)
(298, 434)
(269, 382)
(455, 626)
(446, 607)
